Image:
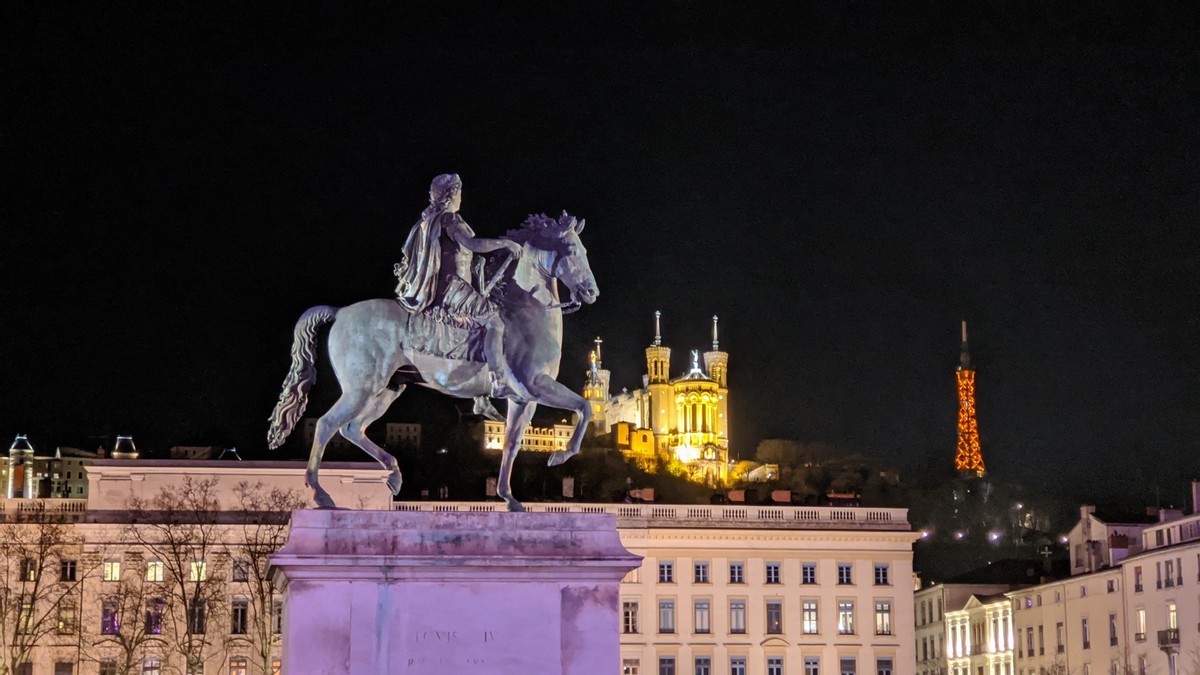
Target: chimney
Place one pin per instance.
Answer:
(1195, 497)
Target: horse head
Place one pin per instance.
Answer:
(565, 258)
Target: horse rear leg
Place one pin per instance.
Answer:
(355, 431)
(338, 419)
(327, 425)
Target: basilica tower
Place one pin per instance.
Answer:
(660, 406)
(596, 387)
(717, 364)
(969, 458)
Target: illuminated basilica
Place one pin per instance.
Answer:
(683, 421)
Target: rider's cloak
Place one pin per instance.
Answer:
(418, 273)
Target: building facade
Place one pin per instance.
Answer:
(722, 590)
(950, 615)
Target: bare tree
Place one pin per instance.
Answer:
(265, 514)
(179, 530)
(41, 576)
(130, 613)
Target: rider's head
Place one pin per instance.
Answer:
(446, 192)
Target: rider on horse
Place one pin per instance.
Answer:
(435, 277)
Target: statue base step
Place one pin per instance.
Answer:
(429, 593)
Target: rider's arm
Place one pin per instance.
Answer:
(462, 234)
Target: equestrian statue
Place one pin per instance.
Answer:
(461, 324)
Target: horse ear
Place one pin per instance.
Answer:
(570, 226)
(579, 226)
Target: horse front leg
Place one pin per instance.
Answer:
(548, 391)
(519, 415)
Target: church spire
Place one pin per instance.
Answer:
(657, 328)
(716, 342)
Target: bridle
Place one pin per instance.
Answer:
(550, 273)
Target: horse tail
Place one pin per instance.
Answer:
(302, 375)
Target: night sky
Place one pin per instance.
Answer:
(842, 183)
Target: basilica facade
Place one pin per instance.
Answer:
(682, 421)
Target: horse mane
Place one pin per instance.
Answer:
(539, 225)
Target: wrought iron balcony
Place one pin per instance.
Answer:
(1168, 640)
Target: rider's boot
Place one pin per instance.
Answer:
(483, 406)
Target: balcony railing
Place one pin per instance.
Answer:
(29, 506)
(797, 517)
(1168, 639)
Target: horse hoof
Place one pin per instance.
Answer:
(558, 457)
(515, 507)
(394, 480)
(324, 501)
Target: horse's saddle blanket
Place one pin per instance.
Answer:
(439, 334)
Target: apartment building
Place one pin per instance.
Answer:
(733, 590)
(948, 615)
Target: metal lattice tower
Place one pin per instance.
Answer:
(970, 457)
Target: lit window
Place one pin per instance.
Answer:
(151, 667)
(111, 570)
(238, 665)
(25, 616)
(846, 617)
(809, 617)
(154, 570)
(29, 569)
(68, 618)
(631, 666)
(198, 571)
(883, 617)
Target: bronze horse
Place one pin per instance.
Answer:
(369, 349)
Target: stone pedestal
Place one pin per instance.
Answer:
(428, 593)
